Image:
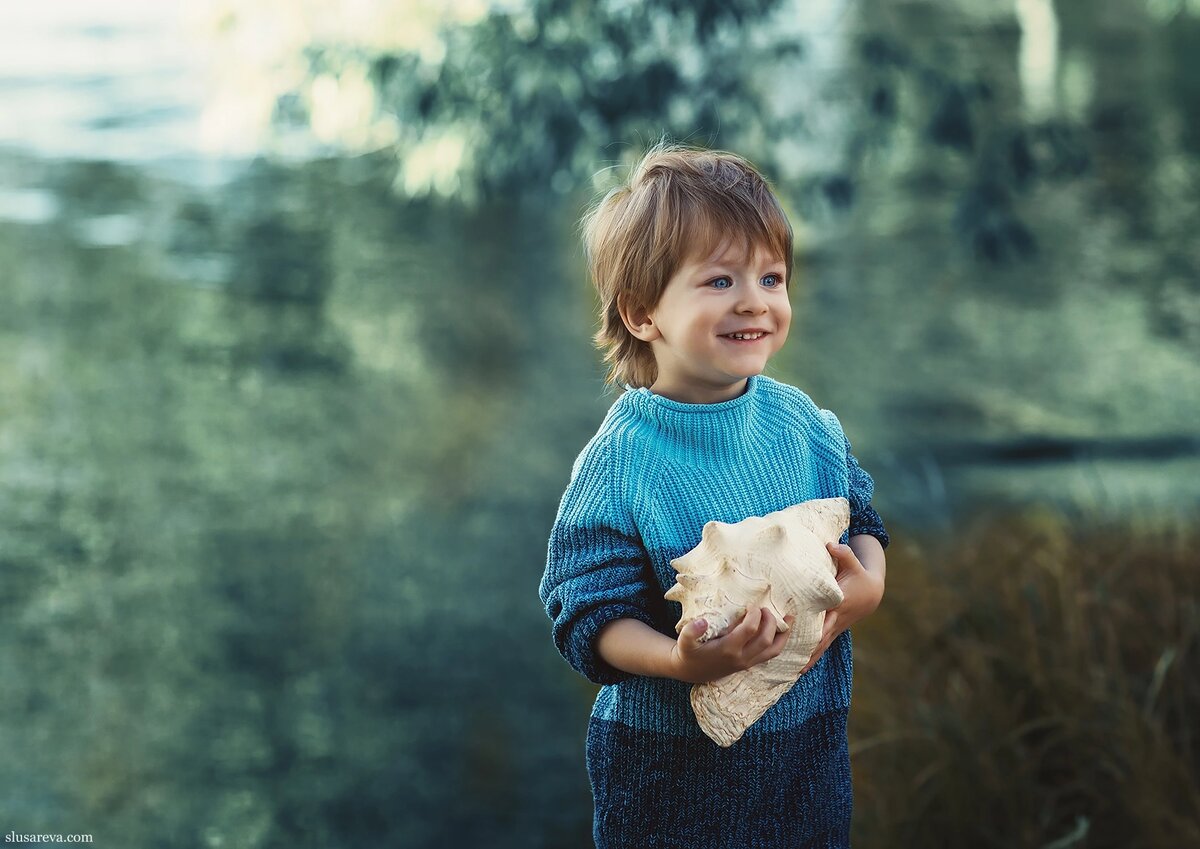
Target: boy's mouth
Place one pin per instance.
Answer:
(745, 336)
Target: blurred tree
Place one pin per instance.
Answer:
(521, 101)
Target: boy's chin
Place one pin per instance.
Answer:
(746, 370)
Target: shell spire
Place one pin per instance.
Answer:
(778, 562)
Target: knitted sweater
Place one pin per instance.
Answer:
(640, 493)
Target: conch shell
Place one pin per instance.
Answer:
(778, 562)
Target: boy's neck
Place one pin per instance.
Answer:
(701, 395)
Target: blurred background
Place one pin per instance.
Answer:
(294, 360)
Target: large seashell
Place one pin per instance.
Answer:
(778, 562)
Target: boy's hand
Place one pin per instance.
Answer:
(862, 593)
(752, 641)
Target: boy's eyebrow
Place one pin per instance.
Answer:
(715, 264)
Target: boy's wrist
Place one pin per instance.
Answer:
(632, 646)
(676, 666)
(672, 663)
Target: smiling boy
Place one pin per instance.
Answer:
(718, 321)
(692, 259)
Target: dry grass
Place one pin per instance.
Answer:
(1032, 683)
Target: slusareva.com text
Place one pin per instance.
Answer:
(17, 837)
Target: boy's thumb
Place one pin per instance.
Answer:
(696, 629)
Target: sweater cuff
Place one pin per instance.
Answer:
(583, 655)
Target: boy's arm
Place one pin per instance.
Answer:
(861, 567)
(633, 646)
(596, 567)
(869, 552)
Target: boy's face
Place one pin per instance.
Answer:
(708, 300)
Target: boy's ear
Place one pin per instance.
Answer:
(638, 320)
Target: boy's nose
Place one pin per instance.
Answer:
(752, 302)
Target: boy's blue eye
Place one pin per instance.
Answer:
(721, 283)
(772, 280)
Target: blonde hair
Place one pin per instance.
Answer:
(679, 203)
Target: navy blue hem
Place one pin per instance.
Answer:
(786, 790)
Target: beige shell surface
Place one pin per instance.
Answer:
(778, 562)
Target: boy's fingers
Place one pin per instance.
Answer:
(749, 625)
(844, 558)
(771, 650)
(763, 634)
(693, 631)
(831, 618)
(766, 628)
(780, 640)
(827, 634)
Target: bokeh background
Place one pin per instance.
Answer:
(294, 360)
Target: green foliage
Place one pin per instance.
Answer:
(540, 91)
(536, 99)
(258, 539)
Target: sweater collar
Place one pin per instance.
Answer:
(723, 426)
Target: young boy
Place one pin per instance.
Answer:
(692, 260)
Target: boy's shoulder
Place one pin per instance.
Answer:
(620, 438)
(796, 405)
(776, 391)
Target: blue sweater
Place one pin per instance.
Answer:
(640, 493)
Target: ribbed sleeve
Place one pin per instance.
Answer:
(863, 518)
(596, 569)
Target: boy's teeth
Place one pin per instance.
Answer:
(743, 335)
